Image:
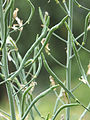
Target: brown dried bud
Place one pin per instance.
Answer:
(43, 40)
(52, 81)
(15, 13)
(88, 72)
(47, 49)
(33, 84)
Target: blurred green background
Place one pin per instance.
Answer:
(58, 49)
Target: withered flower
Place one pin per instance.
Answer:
(15, 13)
(19, 22)
(52, 81)
(88, 72)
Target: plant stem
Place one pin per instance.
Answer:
(8, 85)
(5, 61)
(69, 52)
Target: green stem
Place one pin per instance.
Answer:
(62, 107)
(60, 64)
(6, 114)
(5, 18)
(37, 42)
(29, 52)
(56, 78)
(85, 111)
(80, 6)
(5, 63)
(34, 77)
(36, 99)
(69, 52)
(23, 98)
(47, 39)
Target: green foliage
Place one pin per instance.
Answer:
(21, 84)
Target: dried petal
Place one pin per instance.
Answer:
(88, 72)
(62, 117)
(83, 80)
(33, 84)
(15, 26)
(20, 22)
(43, 40)
(15, 13)
(52, 81)
(88, 28)
(47, 49)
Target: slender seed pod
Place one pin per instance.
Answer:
(37, 98)
(62, 107)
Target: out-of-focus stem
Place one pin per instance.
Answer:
(69, 52)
